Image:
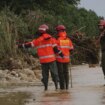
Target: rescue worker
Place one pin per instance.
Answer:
(65, 45)
(101, 27)
(46, 49)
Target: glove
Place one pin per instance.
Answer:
(61, 54)
(20, 45)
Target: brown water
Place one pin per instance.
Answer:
(88, 89)
(13, 98)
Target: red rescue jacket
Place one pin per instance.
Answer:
(65, 45)
(44, 45)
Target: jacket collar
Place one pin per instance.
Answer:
(62, 34)
(46, 36)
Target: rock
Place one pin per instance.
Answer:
(23, 76)
(29, 73)
(37, 73)
(12, 79)
(14, 73)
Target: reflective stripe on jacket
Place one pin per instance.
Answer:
(65, 45)
(44, 45)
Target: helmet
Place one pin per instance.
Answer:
(43, 28)
(102, 23)
(60, 27)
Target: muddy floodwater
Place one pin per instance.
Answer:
(87, 89)
(13, 98)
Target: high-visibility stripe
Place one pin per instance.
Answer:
(64, 47)
(32, 44)
(71, 47)
(54, 45)
(48, 56)
(23, 45)
(42, 29)
(46, 45)
(63, 57)
(59, 52)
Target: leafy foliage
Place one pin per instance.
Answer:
(11, 27)
(19, 5)
(21, 18)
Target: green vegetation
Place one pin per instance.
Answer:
(21, 18)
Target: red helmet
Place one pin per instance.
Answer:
(43, 28)
(60, 27)
(102, 23)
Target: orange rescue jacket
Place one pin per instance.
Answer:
(44, 45)
(65, 45)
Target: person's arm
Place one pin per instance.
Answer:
(25, 45)
(56, 50)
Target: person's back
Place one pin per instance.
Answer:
(44, 45)
(46, 49)
(65, 45)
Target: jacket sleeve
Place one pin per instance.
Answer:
(26, 45)
(59, 52)
(55, 48)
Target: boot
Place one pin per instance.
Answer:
(46, 88)
(45, 85)
(62, 85)
(56, 85)
(67, 81)
(67, 86)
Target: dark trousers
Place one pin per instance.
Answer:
(52, 67)
(103, 62)
(63, 73)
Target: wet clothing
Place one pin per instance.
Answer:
(65, 45)
(52, 67)
(44, 44)
(63, 73)
(46, 49)
(102, 42)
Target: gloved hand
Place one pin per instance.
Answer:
(61, 54)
